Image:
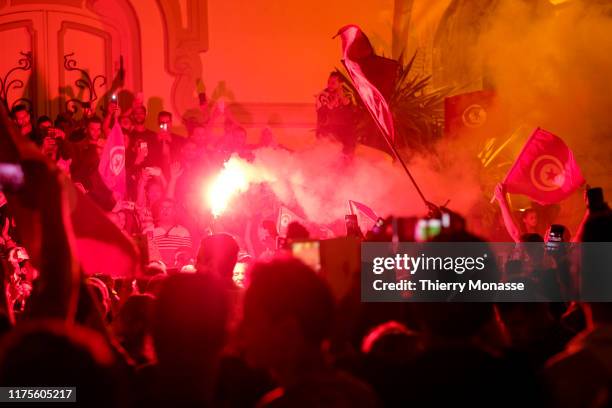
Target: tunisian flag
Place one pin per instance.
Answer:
(545, 170)
(372, 75)
(112, 161)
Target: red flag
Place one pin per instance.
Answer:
(373, 76)
(469, 113)
(100, 246)
(545, 170)
(112, 161)
(366, 217)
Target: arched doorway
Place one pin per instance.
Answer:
(100, 35)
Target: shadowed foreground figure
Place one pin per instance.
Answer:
(189, 325)
(288, 314)
(581, 376)
(54, 354)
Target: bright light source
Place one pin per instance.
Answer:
(231, 181)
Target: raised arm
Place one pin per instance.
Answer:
(175, 172)
(511, 227)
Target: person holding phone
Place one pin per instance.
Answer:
(170, 142)
(141, 133)
(112, 114)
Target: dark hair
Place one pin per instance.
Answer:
(295, 230)
(42, 119)
(18, 108)
(337, 75)
(286, 287)
(219, 252)
(164, 113)
(62, 118)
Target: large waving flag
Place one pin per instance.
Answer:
(545, 170)
(366, 217)
(112, 161)
(372, 75)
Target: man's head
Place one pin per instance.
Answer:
(125, 121)
(133, 321)
(200, 136)
(165, 212)
(21, 116)
(43, 123)
(218, 254)
(530, 218)
(189, 151)
(288, 313)
(139, 115)
(94, 128)
(64, 121)
(334, 82)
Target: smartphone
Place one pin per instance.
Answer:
(308, 252)
(143, 145)
(114, 97)
(164, 126)
(555, 237)
(11, 177)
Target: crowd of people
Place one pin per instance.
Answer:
(206, 325)
(165, 172)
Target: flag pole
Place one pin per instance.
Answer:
(430, 206)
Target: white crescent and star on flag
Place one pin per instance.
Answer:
(547, 173)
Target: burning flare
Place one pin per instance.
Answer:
(231, 181)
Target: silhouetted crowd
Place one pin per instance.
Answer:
(205, 324)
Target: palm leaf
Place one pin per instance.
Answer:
(418, 113)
